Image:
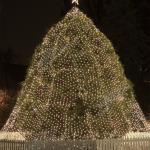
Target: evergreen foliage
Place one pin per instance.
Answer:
(76, 87)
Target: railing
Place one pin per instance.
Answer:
(140, 141)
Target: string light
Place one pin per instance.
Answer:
(75, 87)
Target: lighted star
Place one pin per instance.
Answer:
(75, 1)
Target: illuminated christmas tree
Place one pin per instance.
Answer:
(76, 87)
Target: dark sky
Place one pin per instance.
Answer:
(23, 23)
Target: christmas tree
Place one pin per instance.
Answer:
(76, 87)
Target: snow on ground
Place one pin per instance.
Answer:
(135, 135)
(18, 136)
(11, 136)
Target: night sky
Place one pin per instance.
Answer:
(23, 25)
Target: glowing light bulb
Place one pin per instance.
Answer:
(75, 2)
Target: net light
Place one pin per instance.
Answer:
(75, 87)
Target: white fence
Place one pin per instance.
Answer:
(133, 141)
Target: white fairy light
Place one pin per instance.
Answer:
(75, 87)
